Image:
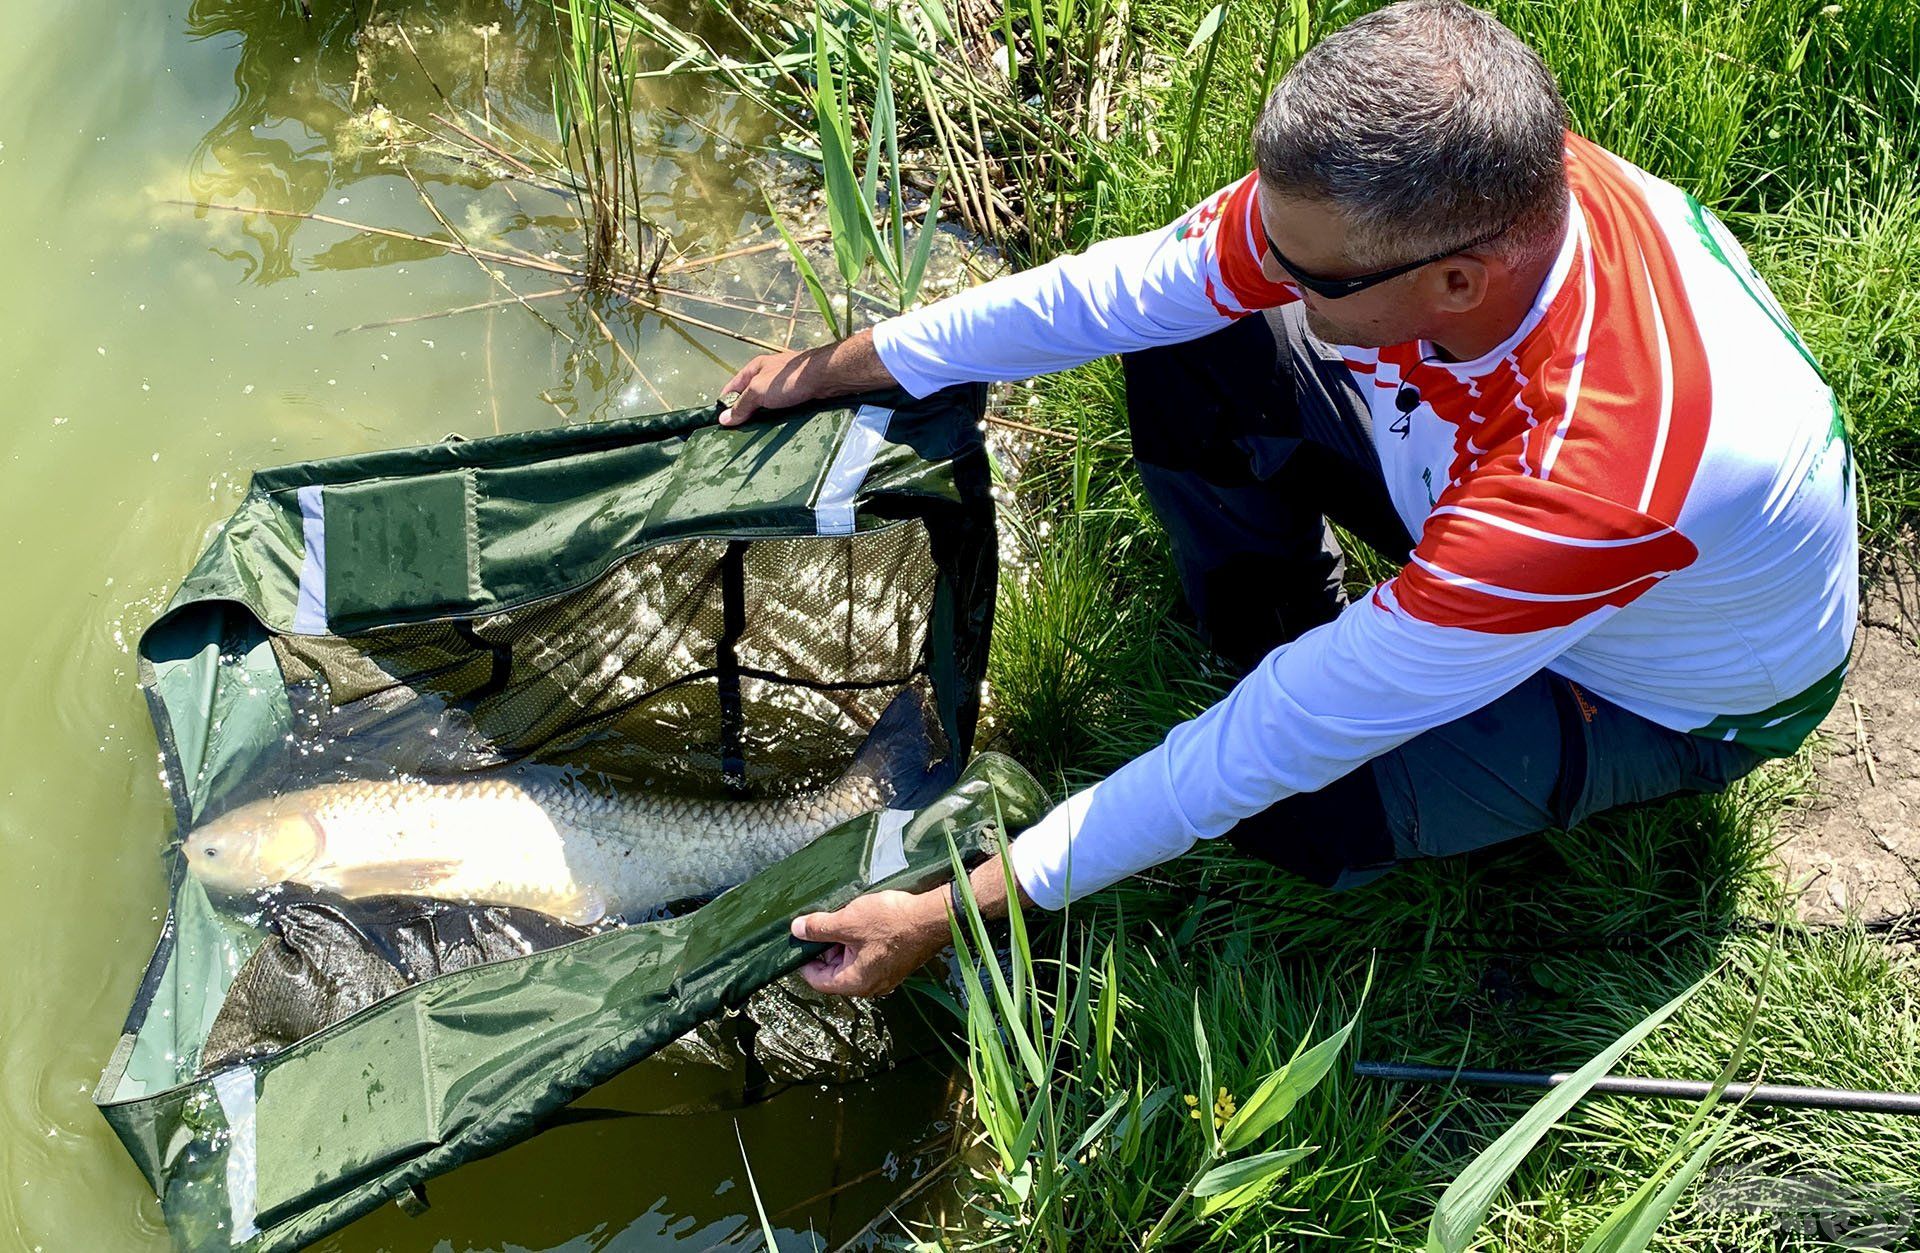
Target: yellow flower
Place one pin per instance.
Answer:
(1223, 1108)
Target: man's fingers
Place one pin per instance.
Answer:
(822, 928)
(742, 409)
(834, 973)
(741, 388)
(842, 971)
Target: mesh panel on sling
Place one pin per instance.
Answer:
(684, 656)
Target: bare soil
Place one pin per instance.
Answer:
(1853, 847)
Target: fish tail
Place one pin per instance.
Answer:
(898, 753)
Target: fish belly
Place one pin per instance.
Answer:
(480, 843)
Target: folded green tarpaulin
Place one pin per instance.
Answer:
(652, 602)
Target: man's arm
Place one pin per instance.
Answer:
(1177, 283)
(1490, 596)
(1187, 279)
(881, 938)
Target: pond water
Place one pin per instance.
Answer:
(154, 353)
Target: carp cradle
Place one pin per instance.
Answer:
(652, 602)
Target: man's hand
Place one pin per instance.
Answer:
(878, 940)
(782, 379)
(881, 938)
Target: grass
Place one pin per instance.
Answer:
(1011, 109)
(593, 119)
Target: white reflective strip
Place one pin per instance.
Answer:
(310, 607)
(889, 850)
(1580, 347)
(234, 1087)
(1494, 589)
(833, 511)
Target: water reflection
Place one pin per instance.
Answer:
(368, 91)
(828, 1162)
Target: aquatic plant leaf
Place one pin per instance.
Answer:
(922, 246)
(938, 18)
(883, 131)
(1106, 1015)
(1464, 1205)
(1203, 35)
(808, 275)
(1003, 995)
(1205, 1053)
(1209, 25)
(850, 219)
(1018, 1183)
(1239, 1182)
(1280, 1091)
(1130, 1128)
(1100, 1124)
(759, 1209)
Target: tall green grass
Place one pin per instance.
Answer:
(854, 189)
(1011, 106)
(593, 118)
(1071, 1128)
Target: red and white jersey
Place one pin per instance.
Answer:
(1646, 488)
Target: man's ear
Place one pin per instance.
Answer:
(1460, 283)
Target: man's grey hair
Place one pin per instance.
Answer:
(1429, 124)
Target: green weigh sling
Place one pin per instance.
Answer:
(649, 606)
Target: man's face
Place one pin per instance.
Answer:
(1314, 235)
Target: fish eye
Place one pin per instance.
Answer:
(211, 852)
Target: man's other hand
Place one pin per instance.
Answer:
(878, 940)
(780, 380)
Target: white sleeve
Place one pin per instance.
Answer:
(1177, 283)
(1312, 711)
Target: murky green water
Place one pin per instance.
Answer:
(151, 355)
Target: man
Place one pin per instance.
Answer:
(1549, 381)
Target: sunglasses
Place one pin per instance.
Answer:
(1335, 288)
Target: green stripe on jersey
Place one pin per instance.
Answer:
(1780, 729)
(1719, 241)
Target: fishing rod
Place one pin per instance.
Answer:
(1790, 1096)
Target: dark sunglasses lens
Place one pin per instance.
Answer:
(1327, 288)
